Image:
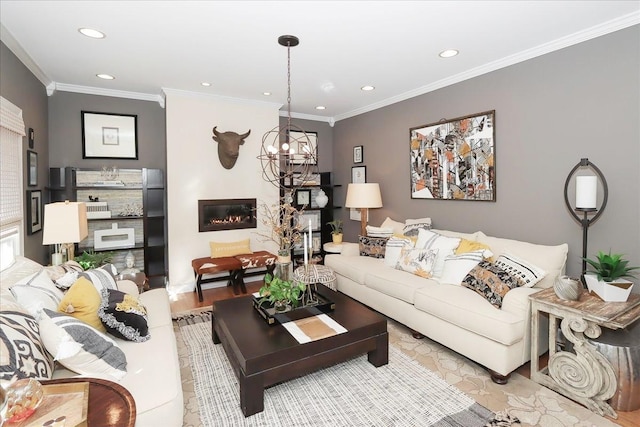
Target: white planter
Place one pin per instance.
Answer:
(616, 291)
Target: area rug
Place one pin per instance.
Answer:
(521, 398)
(352, 393)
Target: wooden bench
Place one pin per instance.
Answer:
(235, 266)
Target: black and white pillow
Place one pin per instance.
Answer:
(490, 281)
(413, 226)
(23, 353)
(372, 246)
(102, 277)
(526, 272)
(80, 347)
(36, 292)
(124, 316)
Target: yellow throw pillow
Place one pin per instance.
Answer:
(82, 301)
(467, 246)
(225, 249)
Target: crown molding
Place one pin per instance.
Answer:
(312, 117)
(13, 45)
(90, 90)
(561, 43)
(245, 101)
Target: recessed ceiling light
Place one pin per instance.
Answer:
(266, 93)
(94, 34)
(448, 53)
(205, 84)
(321, 107)
(367, 88)
(105, 76)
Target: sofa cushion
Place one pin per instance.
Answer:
(551, 259)
(417, 261)
(468, 310)
(36, 292)
(81, 348)
(456, 267)
(394, 249)
(396, 283)
(396, 226)
(353, 267)
(467, 245)
(412, 226)
(526, 272)
(101, 277)
(55, 272)
(124, 316)
(458, 234)
(491, 281)
(22, 352)
(82, 301)
(21, 268)
(158, 307)
(445, 245)
(372, 246)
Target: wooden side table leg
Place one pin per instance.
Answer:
(585, 376)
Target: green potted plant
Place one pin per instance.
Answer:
(604, 278)
(91, 259)
(282, 294)
(336, 230)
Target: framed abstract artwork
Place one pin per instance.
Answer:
(454, 159)
(34, 211)
(109, 136)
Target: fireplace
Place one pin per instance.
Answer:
(226, 214)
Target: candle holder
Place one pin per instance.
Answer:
(586, 220)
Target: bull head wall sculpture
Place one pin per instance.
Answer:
(228, 146)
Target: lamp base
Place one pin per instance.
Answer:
(56, 258)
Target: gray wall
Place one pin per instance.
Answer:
(581, 101)
(22, 88)
(65, 130)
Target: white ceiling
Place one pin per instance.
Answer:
(392, 45)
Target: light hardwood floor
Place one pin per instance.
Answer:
(189, 301)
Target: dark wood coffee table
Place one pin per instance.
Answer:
(263, 355)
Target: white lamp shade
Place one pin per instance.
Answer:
(363, 196)
(586, 191)
(65, 222)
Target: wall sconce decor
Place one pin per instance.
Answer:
(586, 201)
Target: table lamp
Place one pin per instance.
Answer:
(65, 223)
(363, 197)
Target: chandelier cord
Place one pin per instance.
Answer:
(289, 85)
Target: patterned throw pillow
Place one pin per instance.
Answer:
(124, 316)
(490, 281)
(456, 267)
(81, 348)
(417, 261)
(412, 226)
(471, 246)
(22, 352)
(102, 277)
(526, 272)
(82, 301)
(226, 249)
(55, 272)
(394, 249)
(372, 246)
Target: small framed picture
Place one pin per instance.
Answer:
(359, 174)
(34, 211)
(32, 168)
(32, 138)
(303, 198)
(109, 136)
(309, 218)
(357, 154)
(317, 241)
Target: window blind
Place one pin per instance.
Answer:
(11, 133)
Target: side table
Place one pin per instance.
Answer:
(110, 404)
(332, 248)
(583, 375)
(139, 279)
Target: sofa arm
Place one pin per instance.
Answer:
(128, 287)
(350, 249)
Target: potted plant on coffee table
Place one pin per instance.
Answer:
(282, 294)
(336, 230)
(606, 278)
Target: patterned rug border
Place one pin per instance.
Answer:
(202, 315)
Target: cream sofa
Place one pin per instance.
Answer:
(153, 369)
(450, 314)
